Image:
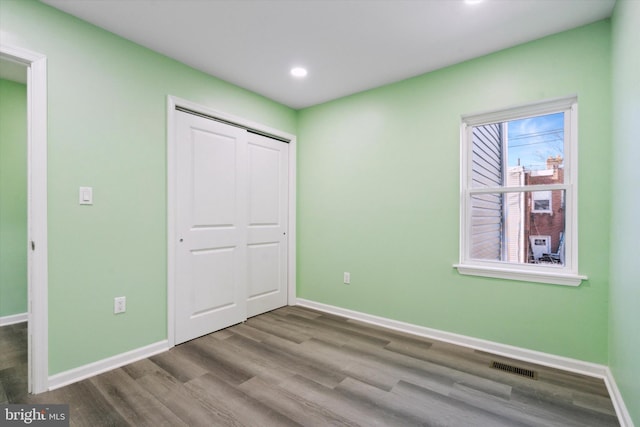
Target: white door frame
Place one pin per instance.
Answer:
(38, 347)
(172, 103)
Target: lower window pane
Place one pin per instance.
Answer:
(518, 227)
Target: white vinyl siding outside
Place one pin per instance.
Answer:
(487, 209)
(514, 216)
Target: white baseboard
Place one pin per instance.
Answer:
(14, 318)
(526, 355)
(77, 374)
(621, 409)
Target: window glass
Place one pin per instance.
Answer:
(521, 152)
(537, 145)
(506, 227)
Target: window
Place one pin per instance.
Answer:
(541, 202)
(518, 193)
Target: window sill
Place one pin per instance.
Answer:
(522, 275)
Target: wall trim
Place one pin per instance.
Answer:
(624, 417)
(95, 368)
(550, 360)
(13, 319)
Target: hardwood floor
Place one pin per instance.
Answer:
(296, 366)
(13, 362)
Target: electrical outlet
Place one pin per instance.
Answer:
(347, 278)
(119, 305)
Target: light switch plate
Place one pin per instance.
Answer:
(119, 305)
(85, 196)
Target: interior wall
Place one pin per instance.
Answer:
(378, 189)
(624, 341)
(13, 198)
(379, 197)
(107, 101)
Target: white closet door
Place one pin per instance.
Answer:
(211, 214)
(267, 224)
(231, 224)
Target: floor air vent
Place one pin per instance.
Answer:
(514, 370)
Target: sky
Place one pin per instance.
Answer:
(532, 140)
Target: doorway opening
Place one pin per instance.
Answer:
(34, 65)
(13, 232)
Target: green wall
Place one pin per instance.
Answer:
(378, 196)
(378, 191)
(13, 198)
(107, 102)
(624, 317)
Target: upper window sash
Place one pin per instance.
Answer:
(562, 105)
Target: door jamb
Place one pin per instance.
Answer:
(37, 259)
(172, 103)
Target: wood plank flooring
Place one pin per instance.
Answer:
(13, 362)
(296, 366)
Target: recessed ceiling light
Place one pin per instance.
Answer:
(298, 72)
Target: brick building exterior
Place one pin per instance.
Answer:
(545, 211)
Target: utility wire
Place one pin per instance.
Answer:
(536, 134)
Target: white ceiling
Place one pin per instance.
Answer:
(347, 45)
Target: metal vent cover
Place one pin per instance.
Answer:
(523, 372)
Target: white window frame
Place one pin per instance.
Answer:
(566, 274)
(536, 195)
